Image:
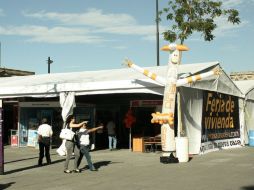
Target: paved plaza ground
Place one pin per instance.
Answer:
(125, 170)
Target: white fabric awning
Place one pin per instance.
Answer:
(124, 80)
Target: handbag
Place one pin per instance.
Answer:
(62, 149)
(67, 134)
(39, 138)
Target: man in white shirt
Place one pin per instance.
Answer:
(44, 135)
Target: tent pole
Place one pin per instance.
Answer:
(179, 112)
(130, 139)
(179, 115)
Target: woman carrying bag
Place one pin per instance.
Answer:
(71, 145)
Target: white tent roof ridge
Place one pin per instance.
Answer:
(250, 94)
(247, 88)
(242, 94)
(123, 80)
(245, 85)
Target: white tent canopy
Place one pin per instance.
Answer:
(123, 80)
(126, 80)
(247, 87)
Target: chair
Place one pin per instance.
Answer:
(157, 142)
(148, 144)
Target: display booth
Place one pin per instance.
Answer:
(193, 117)
(30, 116)
(143, 132)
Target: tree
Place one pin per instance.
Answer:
(190, 16)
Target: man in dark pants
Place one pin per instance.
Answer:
(44, 135)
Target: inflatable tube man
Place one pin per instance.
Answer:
(166, 118)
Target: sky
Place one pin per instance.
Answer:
(88, 35)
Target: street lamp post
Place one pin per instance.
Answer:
(1, 140)
(157, 33)
(49, 62)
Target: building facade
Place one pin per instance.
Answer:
(236, 76)
(10, 105)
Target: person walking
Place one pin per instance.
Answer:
(71, 145)
(112, 140)
(44, 137)
(84, 143)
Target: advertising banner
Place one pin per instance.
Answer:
(220, 122)
(32, 138)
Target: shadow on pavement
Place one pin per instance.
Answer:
(57, 161)
(31, 167)
(23, 159)
(248, 188)
(100, 164)
(5, 186)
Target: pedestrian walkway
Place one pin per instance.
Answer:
(125, 170)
